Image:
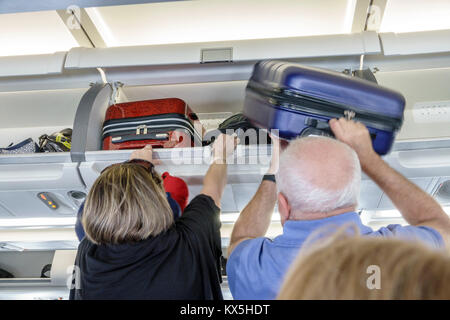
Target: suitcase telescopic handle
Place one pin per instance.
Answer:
(321, 127)
(149, 136)
(317, 124)
(317, 127)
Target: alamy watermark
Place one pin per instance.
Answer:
(373, 282)
(254, 148)
(74, 20)
(73, 280)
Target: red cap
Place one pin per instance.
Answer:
(177, 188)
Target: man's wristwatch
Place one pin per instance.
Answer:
(270, 177)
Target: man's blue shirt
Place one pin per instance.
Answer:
(256, 267)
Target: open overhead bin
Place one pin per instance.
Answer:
(38, 184)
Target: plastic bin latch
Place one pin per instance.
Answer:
(115, 92)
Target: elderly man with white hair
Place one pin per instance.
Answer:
(317, 185)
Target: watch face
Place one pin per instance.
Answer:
(270, 177)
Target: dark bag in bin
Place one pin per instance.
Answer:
(5, 274)
(240, 124)
(56, 142)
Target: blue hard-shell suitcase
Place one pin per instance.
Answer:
(299, 101)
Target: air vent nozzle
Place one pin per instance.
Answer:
(442, 194)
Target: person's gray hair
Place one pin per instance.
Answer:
(302, 195)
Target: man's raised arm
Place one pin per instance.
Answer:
(416, 206)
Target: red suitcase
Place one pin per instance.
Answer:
(162, 123)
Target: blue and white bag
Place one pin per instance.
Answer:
(26, 146)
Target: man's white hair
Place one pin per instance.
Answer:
(301, 194)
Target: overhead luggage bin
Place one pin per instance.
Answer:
(42, 72)
(427, 111)
(190, 164)
(202, 75)
(225, 51)
(38, 184)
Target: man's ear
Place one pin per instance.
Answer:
(283, 208)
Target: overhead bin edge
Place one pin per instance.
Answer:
(31, 65)
(242, 50)
(371, 42)
(415, 42)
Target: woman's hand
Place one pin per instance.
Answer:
(223, 147)
(145, 153)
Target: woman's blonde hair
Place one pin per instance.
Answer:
(344, 269)
(126, 204)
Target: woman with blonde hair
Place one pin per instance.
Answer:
(352, 267)
(133, 248)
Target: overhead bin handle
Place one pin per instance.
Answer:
(87, 126)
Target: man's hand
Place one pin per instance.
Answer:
(223, 147)
(145, 153)
(356, 135)
(278, 145)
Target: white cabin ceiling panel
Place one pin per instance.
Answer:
(34, 33)
(219, 20)
(415, 15)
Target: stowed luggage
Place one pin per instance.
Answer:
(55, 142)
(240, 125)
(26, 146)
(162, 123)
(299, 101)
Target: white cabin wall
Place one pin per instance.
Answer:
(422, 86)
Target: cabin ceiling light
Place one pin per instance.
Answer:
(233, 216)
(389, 215)
(383, 214)
(37, 222)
